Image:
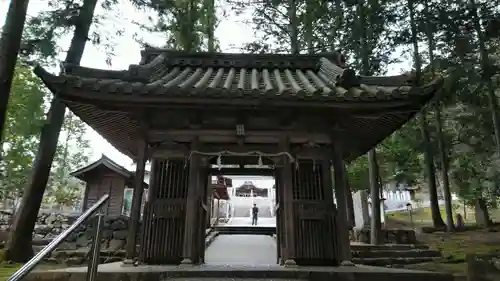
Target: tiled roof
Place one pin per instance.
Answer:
(321, 79)
(316, 77)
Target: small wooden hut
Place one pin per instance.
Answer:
(105, 177)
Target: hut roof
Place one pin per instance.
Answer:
(85, 173)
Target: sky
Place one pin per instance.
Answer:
(231, 33)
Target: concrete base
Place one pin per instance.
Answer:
(290, 263)
(128, 262)
(186, 262)
(114, 272)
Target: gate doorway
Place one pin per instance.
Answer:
(249, 235)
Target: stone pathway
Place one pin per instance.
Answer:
(242, 249)
(247, 221)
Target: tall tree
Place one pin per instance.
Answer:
(376, 225)
(18, 247)
(430, 169)
(429, 32)
(10, 43)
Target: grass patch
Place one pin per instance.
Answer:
(6, 270)
(453, 246)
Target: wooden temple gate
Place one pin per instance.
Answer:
(174, 103)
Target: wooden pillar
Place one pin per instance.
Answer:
(343, 241)
(210, 206)
(86, 197)
(192, 205)
(280, 231)
(135, 213)
(350, 204)
(287, 185)
(375, 221)
(326, 180)
(202, 217)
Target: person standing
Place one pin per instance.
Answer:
(255, 214)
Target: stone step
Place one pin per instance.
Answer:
(391, 261)
(233, 279)
(386, 247)
(415, 253)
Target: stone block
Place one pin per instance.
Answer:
(116, 244)
(390, 236)
(361, 212)
(483, 267)
(120, 234)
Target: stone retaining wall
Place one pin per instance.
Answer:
(389, 236)
(49, 225)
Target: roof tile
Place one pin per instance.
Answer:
(236, 75)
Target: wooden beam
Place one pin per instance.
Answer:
(269, 136)
(241, 172)
(171, 149)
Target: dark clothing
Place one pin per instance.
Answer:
(255, 213)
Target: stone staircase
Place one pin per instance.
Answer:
(245, 211)
(392, 254)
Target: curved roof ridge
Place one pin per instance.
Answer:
(78, 70)
(104, 161)
(174, 58)
(391, 80)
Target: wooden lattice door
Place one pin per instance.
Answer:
(165, 212)
(314, 214)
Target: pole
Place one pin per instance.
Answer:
(96, 250)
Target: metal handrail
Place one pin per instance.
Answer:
(30, 265)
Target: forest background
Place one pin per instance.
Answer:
(454, 143)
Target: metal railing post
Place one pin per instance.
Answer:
(31, 264)
(95, 252)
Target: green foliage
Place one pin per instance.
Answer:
(25, 116)
(468, 131)
(72, 153)
(185, 25)
(43, 33)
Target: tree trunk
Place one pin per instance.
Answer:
(444, 173)
(18, 248)
(430, 172)
(375, 221)
(210, 25)
(429, 162)
(309, 33)
(487, 73)
(10, 43)
(293, 26)
(440, 138)
(481, 212)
